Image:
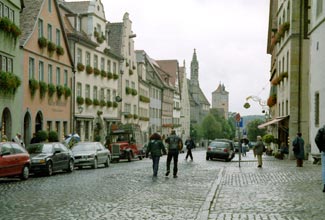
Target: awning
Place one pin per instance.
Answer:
(276, 120)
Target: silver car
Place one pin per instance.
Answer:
(91, 154)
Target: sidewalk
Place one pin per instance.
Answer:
(279, 190)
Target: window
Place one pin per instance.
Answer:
(127, 108)
(9, 65)
(79, 89)
(95, 96)
(127, 83)
(114, 68)
(133, 85)
(79, 55)
(41, 71)
(31, 68)
(108, 95)
(4, 63)
(86, 130)
(11, 15)
(102, 63)
(108, 66)
(87, 91)
(114, 94)
(319, 7)
(87, 59)
(316, 109)
(102, 94)
(50, 5)
(58, 76)
(58, 37)
(6, 12)
(40, 28)
(49, 32)
(1, 9)
(134, 109)
(65, 77)
(50, 74)
(95, 61)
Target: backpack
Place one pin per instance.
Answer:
(320, 139)
(175, 143)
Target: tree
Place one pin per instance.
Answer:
(253, 131)
(211, 129)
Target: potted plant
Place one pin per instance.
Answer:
(51, 89)
(51, 47)
(9, 83)
(88, 101)
(134, 92)
(103, 73)
(67, 92)
(96, 71)
(42, 89)
(59, 90)
(95, 102)
(114, 104)
(33, 86)
(115, 76)
(59, 50)
(80, 100)
(128, 90)
(89, 69)
(109, 75)
(80, 67)
(109, 104)
(42, 42)
(102, 103)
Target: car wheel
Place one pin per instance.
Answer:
(95, 165)
(70, 166)
(25, 173)
(107, 162)
(49, 167)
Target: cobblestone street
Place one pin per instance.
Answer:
(203, 190)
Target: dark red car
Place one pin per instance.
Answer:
(14, 160)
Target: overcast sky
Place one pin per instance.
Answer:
(229, 37)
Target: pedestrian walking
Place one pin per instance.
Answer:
(189, 143)
(155, 148)
(258, 151)
(320, 142)
(18, 139)
(298, 149)
(175, 144)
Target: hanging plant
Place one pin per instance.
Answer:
(103, 73)
(114, 104)
(88, 101)
(130, 72)
(80, 100)
(67, 92)
(115, 76)
(271, 101)
(96, 71)
(135, 116)
(9, 83)
(128, 90)
(42, 42)
(59, 50)
(102, 103)
(80, 67)
(51, 47)
(9, 27)
(109, 75)
(59, 90)
(89, 69)
(109, 104)
(95, 102)
(144, 99)
(33, 86)
(247, 105)
(42, 89)
(51, 89)
(134, 92)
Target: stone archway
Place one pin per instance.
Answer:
(6, 123)
(39, 122)
(27, 128)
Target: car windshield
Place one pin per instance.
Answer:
(39, 148)
(219, 144)
(84, 147)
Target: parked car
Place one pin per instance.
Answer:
(50, 157)
(91, 154)
(221, 149)
(14, 160)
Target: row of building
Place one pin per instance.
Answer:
(65, 68)
(296, 39)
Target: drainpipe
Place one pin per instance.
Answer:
(300, 60)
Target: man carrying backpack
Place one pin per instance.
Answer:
(320, 142)
(156, 148)
(174, 145)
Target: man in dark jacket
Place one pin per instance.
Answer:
(299, 149)
(189, 143)
(320, 142)
(175, 143)
(258, 151)
(155, 147)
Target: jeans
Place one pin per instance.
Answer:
(323, 166)
(172, 155)
(155, 165)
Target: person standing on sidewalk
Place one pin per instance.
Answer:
(189, 143)
(258, 151)
(298, 149)
(320, 142)
(174, 145)
(155, 148)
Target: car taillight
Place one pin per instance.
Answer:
(225, 150)
(209, 148)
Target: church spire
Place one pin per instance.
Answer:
(194, 69)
